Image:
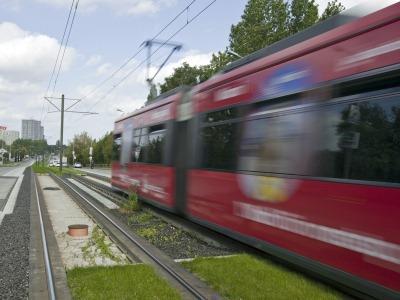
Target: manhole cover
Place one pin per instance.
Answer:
(78, 230)
(51, 188)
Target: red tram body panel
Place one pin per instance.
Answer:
(294, 153)
(157, 182)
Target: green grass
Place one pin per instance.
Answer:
(120, 282)
(246, 277)
(45, 170)
(149, 233)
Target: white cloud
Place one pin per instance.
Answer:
(25, 56)
(103, 69)
(94, 60)
(26, 60)
(9, 87)
(10, 31)
(130, 7)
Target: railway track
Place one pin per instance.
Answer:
(46, 256)
(134, 246)
(207, 235)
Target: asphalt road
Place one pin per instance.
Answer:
(5, 170)
(11, 171)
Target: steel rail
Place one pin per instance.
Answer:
(208, 235)
(100, 188)
(165, 267)
(49, 272)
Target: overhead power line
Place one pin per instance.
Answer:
(59, 49)
(155, 51)
(65, 46)
(58, 56)
(141, 48)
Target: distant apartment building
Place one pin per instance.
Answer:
(9, 136)
(32, 130)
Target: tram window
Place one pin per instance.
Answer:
(222, 115)
(359, 140)
(382, 81)
(136, 132)
(141, 149)
(155, 145)
(136, 148)
(279, 144)
(148, 146)
(369, 140)
(219, 146)
(116, 147)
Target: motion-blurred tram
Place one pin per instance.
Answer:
(294, 149)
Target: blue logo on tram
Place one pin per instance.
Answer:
(289, 79)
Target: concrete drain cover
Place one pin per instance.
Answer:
(51, 188)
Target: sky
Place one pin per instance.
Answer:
(104, 35)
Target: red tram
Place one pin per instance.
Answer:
(294, 149)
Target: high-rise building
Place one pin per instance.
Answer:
(32, 130)
(9, 136)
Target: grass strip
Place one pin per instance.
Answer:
(45, 170)
(119, 282)
(247, 277)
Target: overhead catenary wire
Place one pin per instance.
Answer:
(59, 49)
(155, 51)
(141, 48)
(65, 46)
(58, 56)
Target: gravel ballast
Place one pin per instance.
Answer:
(14, 246)
(175, 242)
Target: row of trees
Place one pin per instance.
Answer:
(21, 147)
(263, 23)
(81, 144)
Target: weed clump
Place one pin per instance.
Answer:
(132, 204)
(97, 245)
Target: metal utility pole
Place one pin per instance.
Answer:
(63, 110)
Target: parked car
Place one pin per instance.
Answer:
(77, 165)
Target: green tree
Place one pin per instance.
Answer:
(29, 147)
(217, 63)
(263, 22)
(102, 149)
(81, 144)
(333, 8)
(183, 75)
(303, 14)
(189, 75)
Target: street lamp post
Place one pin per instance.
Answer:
(91, 154)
